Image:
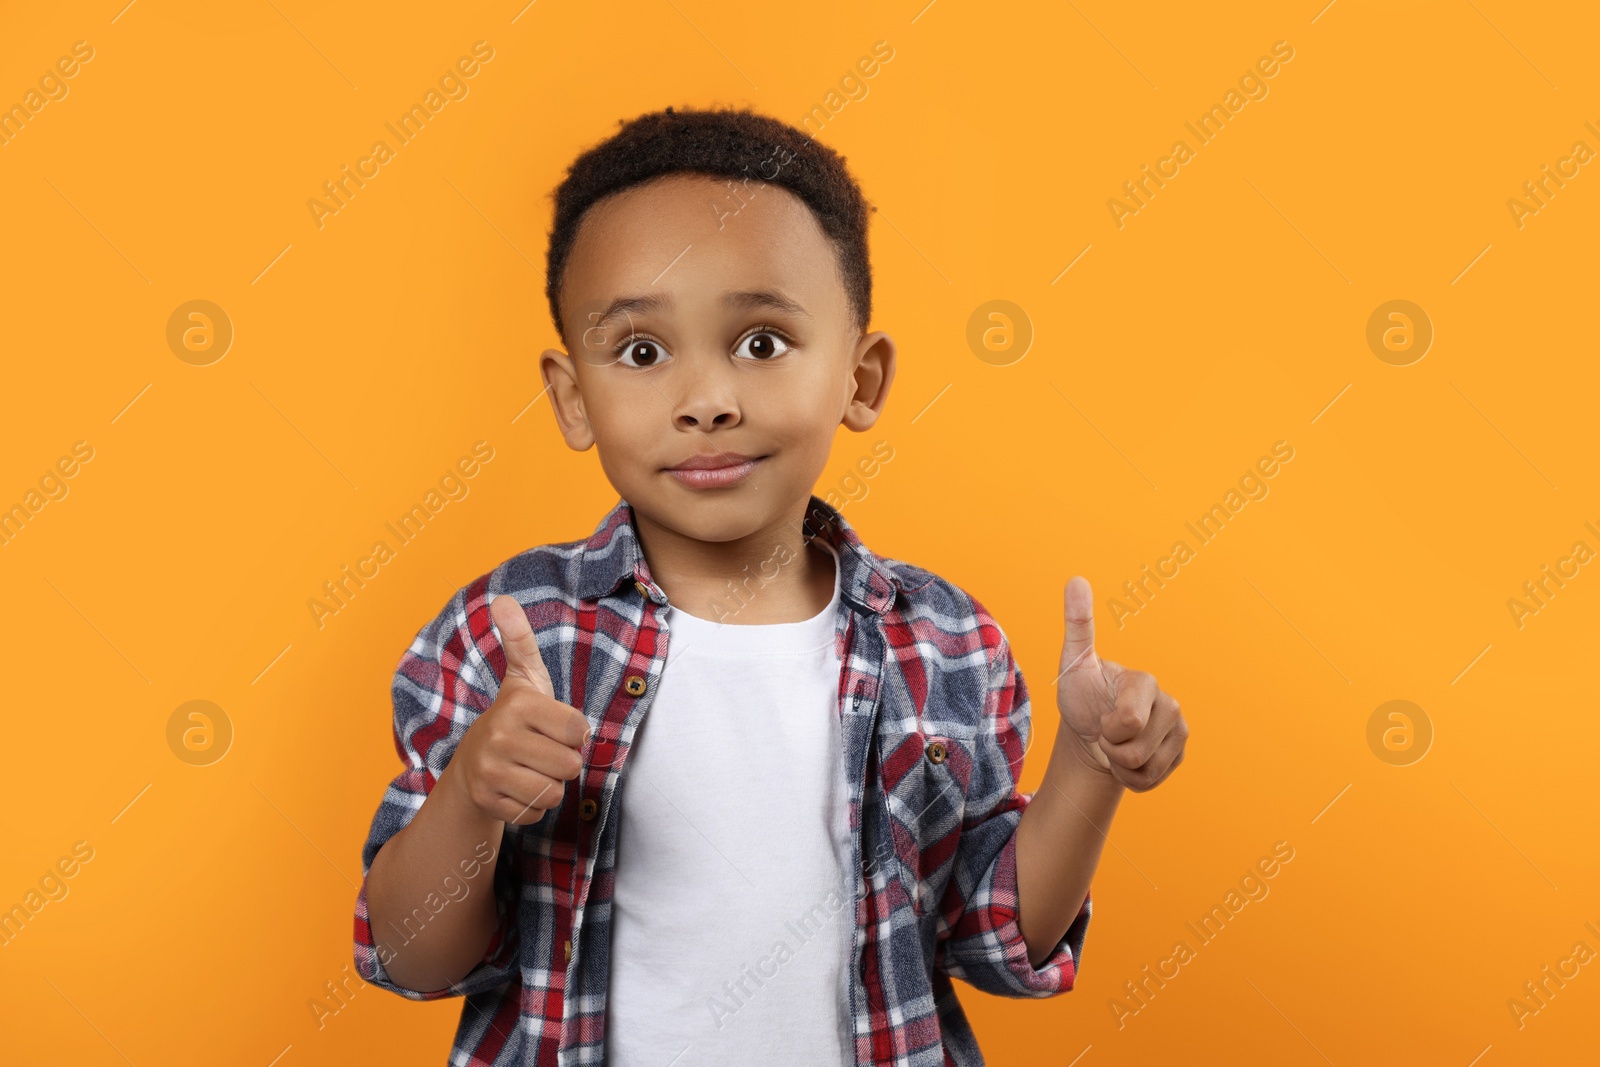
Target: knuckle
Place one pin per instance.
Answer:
(497, 734)
(560, 762)
(579, 727)
(515, 702)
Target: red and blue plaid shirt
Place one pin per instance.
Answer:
(935, 720)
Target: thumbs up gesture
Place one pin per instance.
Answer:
(1124, 725)
(516, 758)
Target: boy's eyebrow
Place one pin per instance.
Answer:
(748, 299)
(741, 299)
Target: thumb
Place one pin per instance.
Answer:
(522, 650)
(1077, 651)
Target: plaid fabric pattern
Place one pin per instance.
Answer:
(935, 718)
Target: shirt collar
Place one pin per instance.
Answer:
(613, 555)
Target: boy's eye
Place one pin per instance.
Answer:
(640, 353)
(764, 345)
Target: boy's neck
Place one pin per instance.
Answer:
(771, 576)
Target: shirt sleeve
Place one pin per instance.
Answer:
(442, 684)
(984, 944)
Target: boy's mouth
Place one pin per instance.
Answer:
(714, 470)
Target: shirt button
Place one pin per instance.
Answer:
(634, 685)
(568, 948)
(587, 809)
(645, 589)
(936, 751)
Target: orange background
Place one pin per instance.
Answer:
(1230, 312)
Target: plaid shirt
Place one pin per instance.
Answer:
(935, 720)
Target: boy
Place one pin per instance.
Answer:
(653, 817)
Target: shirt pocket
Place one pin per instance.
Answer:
(924, 780)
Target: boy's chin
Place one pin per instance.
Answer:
(714, 515)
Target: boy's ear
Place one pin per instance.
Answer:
(868, 385)
(566, 399)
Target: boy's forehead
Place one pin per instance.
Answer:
(694, 236)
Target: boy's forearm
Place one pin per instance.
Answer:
(442, 842)
(1059, 840)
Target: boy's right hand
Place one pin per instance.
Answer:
(517, 757)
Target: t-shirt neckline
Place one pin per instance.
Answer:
(803, 636)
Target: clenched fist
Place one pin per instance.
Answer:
(1125, 725)
(517, 757)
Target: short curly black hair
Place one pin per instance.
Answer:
(735, 143)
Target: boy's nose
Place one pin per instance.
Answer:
(704, 414)
(708, 400)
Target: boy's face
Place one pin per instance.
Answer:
(738, 340)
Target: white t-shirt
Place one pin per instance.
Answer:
(733, 917)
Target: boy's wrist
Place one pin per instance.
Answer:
(1072, 772)
(1087, 756)
(453, 807)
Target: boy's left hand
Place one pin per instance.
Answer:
(1120, 721)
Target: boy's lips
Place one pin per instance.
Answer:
(704, 461)
(714, 470)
